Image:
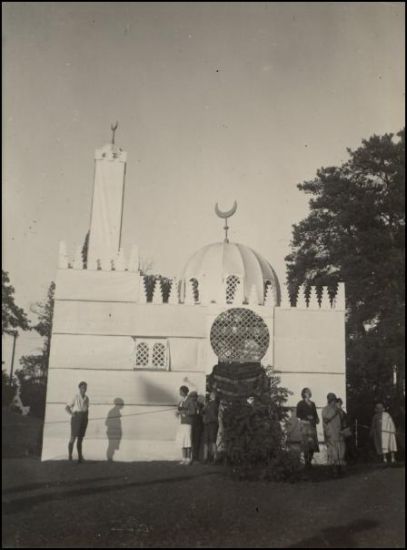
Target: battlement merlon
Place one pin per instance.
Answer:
(111, 152)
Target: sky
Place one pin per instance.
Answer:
(216, 102)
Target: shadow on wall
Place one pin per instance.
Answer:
(113, 424)
(158, 395)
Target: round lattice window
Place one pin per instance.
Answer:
(239, 335)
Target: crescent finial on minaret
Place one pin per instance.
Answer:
(225, 216)
(114, 127)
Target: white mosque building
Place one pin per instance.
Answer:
(138, 353)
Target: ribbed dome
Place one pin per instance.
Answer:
(211, 266)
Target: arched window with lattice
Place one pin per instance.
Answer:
(159, 356)
(142, 355)
(232, 283)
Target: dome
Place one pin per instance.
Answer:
(218, 271)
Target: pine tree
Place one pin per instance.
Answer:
(12, 316)
(354, 234)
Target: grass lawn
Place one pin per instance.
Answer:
(165, 505)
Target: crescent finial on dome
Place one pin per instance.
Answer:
(225, 216)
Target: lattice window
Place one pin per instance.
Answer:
(232, 282)
(268, 285)
(195, 289)
(151, 354)
(159, 356)
(142, 355)
(239, 335)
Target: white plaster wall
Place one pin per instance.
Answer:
(138, 387)
(320, 385)
(309, 351)
(148, 417)
(82, 351)
(309, 341)
(78, 351)
(137, 421)
(129, 319)
(91, 285)
(185, 354)
(93, 341)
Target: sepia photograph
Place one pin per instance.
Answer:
(203, 275)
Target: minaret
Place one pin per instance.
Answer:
(107, 204)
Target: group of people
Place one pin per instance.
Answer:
(302, 431)
(200, 430)
(198, 425)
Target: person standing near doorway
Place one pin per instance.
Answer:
(78, 408)
(308, 416)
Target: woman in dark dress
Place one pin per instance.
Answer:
(308, 416)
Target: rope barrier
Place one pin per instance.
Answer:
(399, 432)
(101, 417)
(385, 431)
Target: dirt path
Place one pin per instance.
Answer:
(164, 505)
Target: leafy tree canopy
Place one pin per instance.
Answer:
(355, 233)
(36, 365)
(12, 316)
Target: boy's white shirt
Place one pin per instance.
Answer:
(79, 403)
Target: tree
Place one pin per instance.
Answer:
(150, 280)
(252, 437)
(12, 316)
(85, 249)
(34, 371)
(355, 233)
(8, 389)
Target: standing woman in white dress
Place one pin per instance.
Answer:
(383, 432)
(185, 412)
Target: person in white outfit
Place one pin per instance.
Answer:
(184, 435)
(383, 433)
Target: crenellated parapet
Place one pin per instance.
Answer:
(118, 262)
(174, 296)
(230, 293)
(312, 298)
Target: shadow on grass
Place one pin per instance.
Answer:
(21, 504)
(318, 474)
(340, 536)
(52, 484)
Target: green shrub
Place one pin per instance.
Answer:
(284, 466)
(8, 390)
(253, 439)
(33, 395)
